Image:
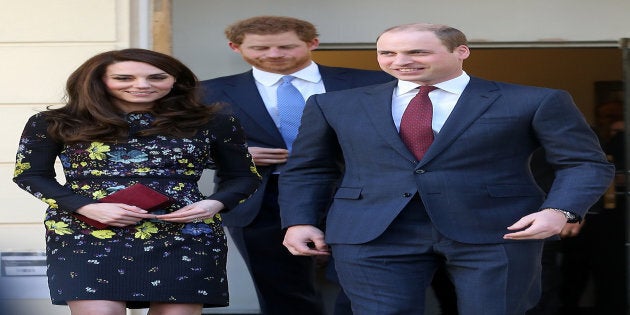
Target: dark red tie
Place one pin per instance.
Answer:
(415, 125)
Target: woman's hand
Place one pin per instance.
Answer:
(114, 214)
(194, 212)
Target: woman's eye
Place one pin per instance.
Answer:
(158, 78)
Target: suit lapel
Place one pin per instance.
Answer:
(474, 101)
(378, 105)
(245, 97)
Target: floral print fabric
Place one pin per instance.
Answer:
(152, 260)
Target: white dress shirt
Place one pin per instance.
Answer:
(443, 99)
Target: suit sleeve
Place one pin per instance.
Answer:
(582, 171)
(307, 183)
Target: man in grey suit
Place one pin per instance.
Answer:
(275, 46)
(469, 199)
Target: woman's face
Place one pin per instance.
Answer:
(136, 86)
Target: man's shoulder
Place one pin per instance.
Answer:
(225, 87)
(347, 69)
(509, 87)
(227, 79)
(340, 78)
(352, 71)
(374, 88)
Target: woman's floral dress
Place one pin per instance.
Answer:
(152, 260)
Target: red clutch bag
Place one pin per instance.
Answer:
(137, 195)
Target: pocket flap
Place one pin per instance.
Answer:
(348, 193)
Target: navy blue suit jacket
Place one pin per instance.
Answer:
(474, 180)
(239, 91)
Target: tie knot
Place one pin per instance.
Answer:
(425, 89)
(287, 78)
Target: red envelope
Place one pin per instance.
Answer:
(137, 195)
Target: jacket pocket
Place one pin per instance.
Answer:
(348, 193)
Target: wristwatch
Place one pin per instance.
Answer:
(571, 217)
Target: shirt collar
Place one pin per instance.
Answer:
(310, 74)
(455, 86)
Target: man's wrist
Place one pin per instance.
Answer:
(571, 217)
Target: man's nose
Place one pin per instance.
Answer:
(275, 52)
(401, 59)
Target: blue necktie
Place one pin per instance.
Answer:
(290, 108)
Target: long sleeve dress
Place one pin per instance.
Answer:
(153, 260)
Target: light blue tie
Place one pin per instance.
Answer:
(290, 108)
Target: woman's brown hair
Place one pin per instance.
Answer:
(90, 114)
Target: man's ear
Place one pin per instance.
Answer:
(235, 47)
(463, 51)
(313, 44)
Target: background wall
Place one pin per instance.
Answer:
(199, 41)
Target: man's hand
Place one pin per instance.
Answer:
(268, 156)
(305, 240)
(571, 229)
(538, 225)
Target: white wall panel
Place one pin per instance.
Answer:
(22, 237)
(58, 21)
(39, 73)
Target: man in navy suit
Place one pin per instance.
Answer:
(469, 201)
(275, 46)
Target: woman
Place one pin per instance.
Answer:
(134, 116)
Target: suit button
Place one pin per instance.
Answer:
(420, 171)
(406, 195)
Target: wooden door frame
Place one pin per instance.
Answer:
(162, 26)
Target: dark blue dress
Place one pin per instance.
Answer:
(152, 260)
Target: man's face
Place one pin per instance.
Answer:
(419, 57)
(282, 53)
